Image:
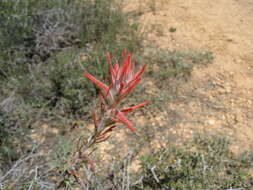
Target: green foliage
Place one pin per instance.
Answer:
(173, 29)
(9, 132)
(205, 163)
(33, 31)
(95, 27)
(178, 63)
(45, 46)
(5, 143)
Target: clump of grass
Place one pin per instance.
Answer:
(173, 29)
(168, 69)
(204, 163)
(152, 6)
(177, 63)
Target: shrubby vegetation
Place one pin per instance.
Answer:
(204, 163)
(45, 48)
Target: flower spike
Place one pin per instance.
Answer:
(123, 80)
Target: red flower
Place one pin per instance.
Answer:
(123, 82)
(123, 78)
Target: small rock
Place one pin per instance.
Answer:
(228, 89)
(221, 91)
(239, 118)
(211, 122)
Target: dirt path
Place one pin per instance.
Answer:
(220, 96)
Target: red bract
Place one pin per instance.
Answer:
(122, 118)
(123, 80)
(97, 82)
(130, 109)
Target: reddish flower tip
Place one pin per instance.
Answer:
(121, 116)
(130, 109)
(97, 82)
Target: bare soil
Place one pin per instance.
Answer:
(218, 97)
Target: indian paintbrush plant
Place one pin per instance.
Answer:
(123, 80)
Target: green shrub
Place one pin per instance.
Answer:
(177, 63)
(205, 163)
(8, 132)
(41, 69)
(41, 39)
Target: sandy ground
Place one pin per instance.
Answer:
(218, 97)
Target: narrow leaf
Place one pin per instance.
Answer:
(130, 109)
(125, 121)
(97, 82)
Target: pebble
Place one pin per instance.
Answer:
(211, 122)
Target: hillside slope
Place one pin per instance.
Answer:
(218, 97)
